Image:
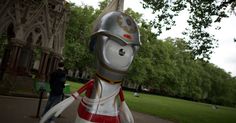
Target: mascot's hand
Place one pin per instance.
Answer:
(59, 108)
(125, 114)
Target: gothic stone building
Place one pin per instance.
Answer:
(32, 34)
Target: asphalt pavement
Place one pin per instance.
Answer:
(24, 110)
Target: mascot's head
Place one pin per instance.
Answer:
(115, 41)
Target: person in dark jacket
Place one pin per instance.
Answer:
(57, 83)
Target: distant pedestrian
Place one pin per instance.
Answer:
(57, 83)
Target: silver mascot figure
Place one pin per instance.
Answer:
(115, 41)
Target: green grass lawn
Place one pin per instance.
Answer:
(180, 111)
(177, 110)
(74, 86)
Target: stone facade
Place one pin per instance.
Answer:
(35, 31)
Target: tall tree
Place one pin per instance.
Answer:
(202, 13)
(76, 53)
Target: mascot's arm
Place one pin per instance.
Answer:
(57, 109)
(125, 114)
(60, 107)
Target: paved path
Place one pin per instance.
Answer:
(23, 110)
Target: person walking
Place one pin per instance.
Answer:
(57, 83)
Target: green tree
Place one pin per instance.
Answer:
(202, 14)
(76, 53)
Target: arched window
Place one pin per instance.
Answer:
(35, 39)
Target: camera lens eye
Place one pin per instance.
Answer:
(121, 52)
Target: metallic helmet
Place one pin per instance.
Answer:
(117, 25)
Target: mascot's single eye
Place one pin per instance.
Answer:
(121, 52)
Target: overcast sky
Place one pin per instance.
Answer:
(224, 56)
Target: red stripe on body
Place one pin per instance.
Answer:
(96, 117)
(87, 87)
